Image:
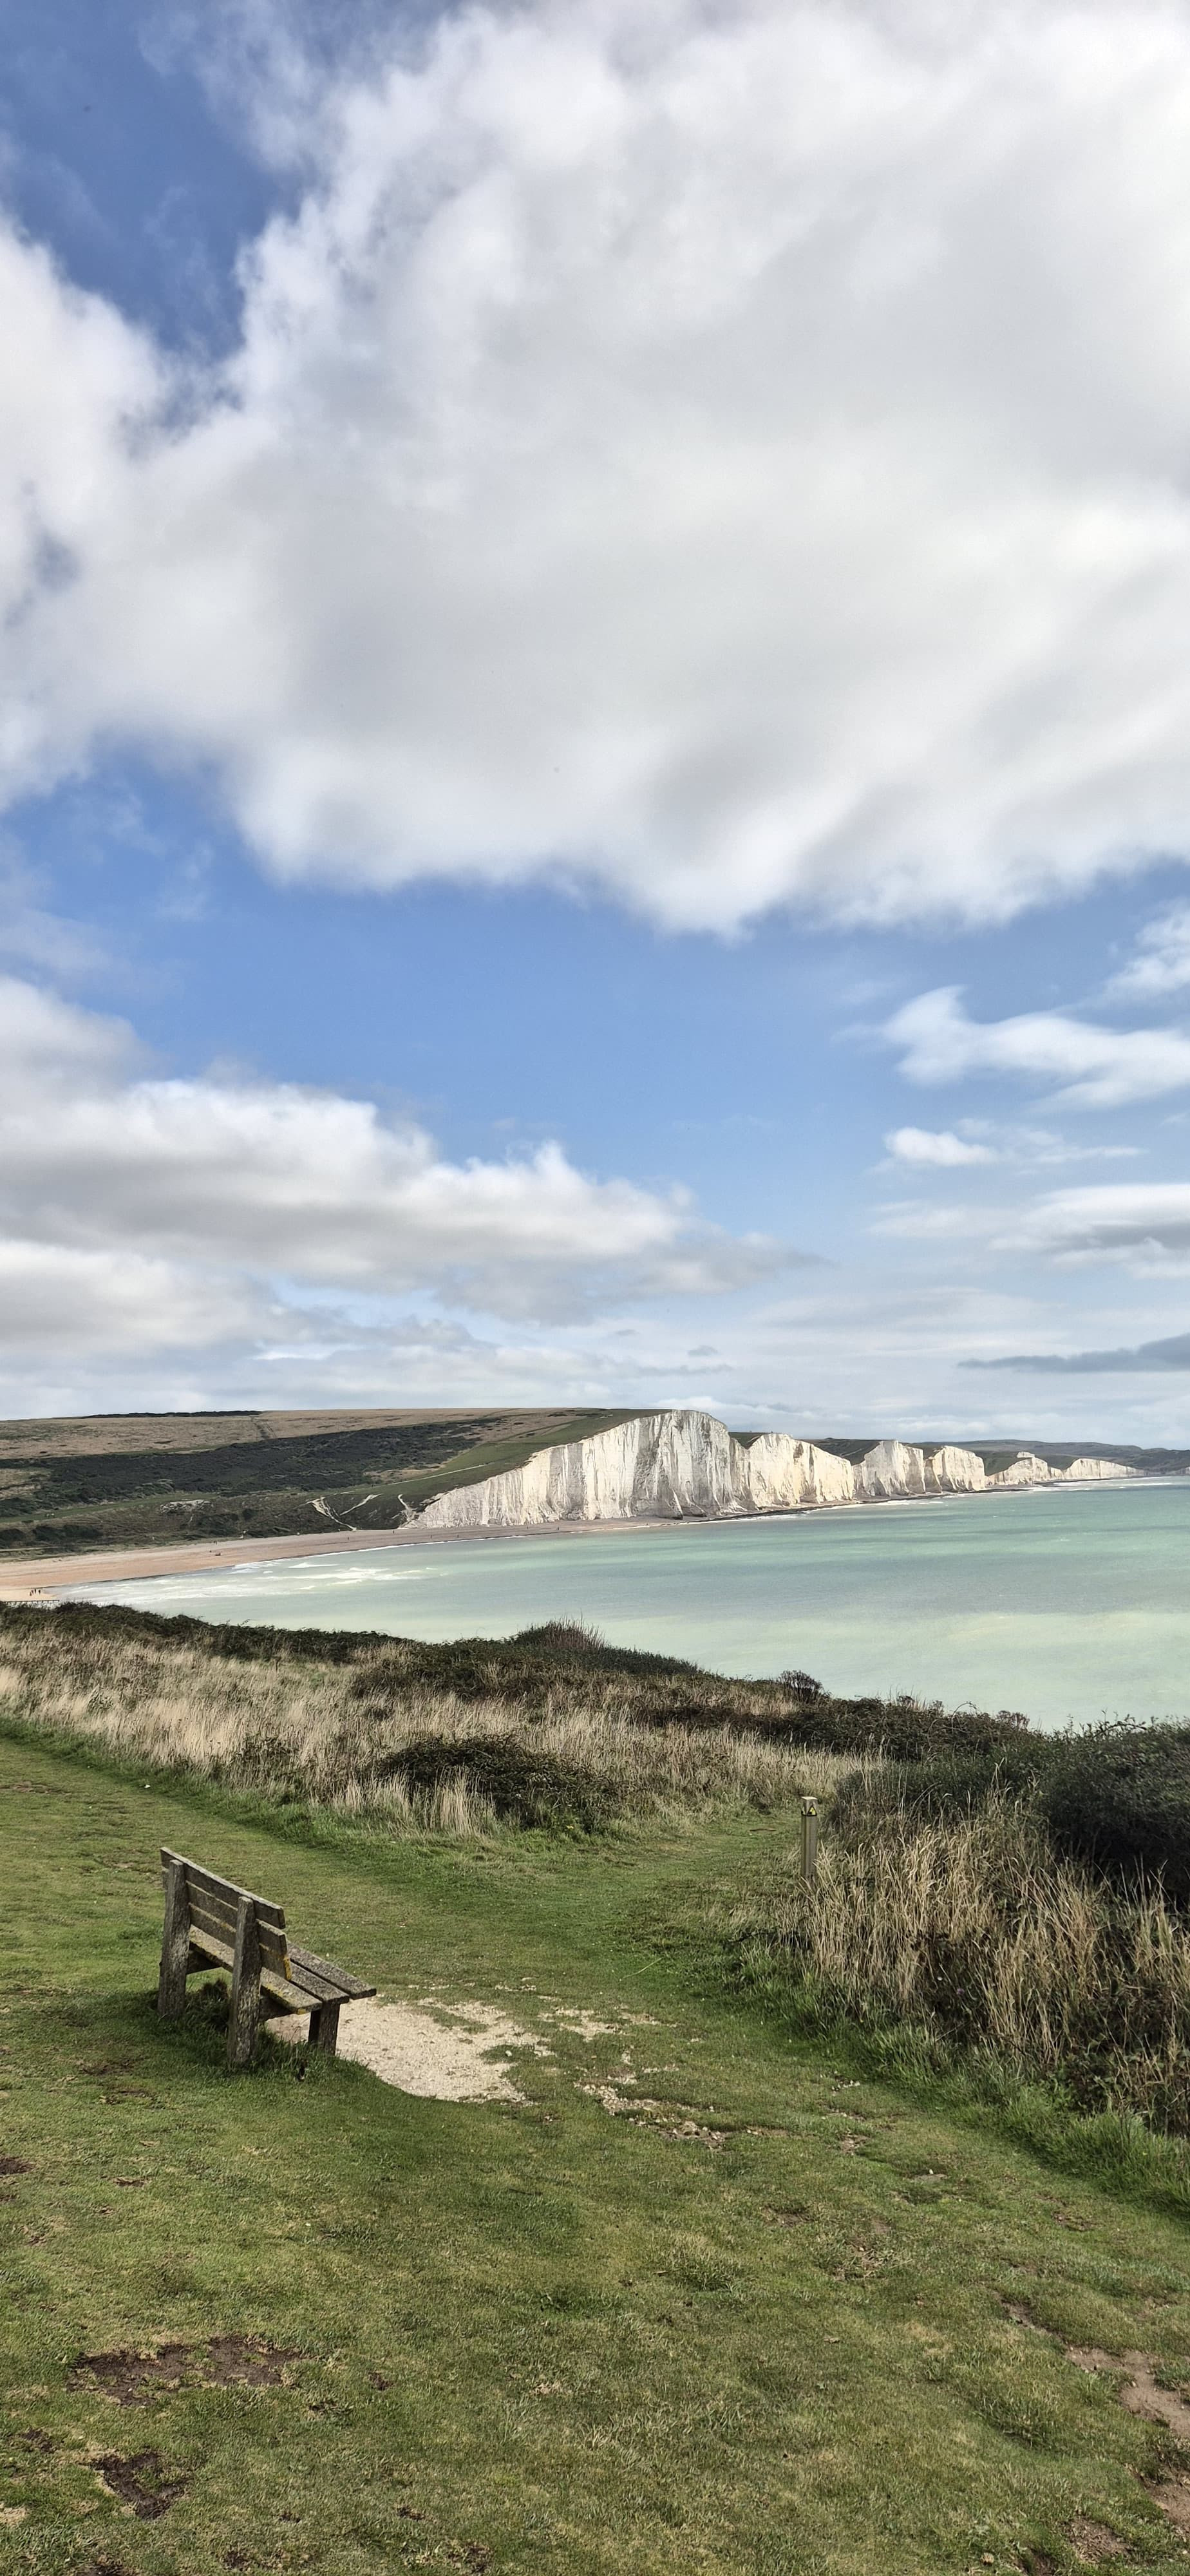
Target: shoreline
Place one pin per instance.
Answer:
(44, 1579)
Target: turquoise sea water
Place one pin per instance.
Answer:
(1067, 1604)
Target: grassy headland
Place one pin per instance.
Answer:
(748, 2283)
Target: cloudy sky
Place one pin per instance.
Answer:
(595, 708)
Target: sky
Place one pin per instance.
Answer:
(595, 709)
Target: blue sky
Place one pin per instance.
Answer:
(596, 772)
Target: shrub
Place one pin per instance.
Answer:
(521, 1784)
(1118, 1796)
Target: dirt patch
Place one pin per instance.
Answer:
(1093, 2544)
(1140, 2392)
(1142, 2396)
(1172, 2495)
(675, 2120)
(443, 2052)
(106, 2567)
(584, 2025)
(140, 2481)
(223, 2361)
(14, 2165)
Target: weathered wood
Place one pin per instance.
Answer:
(222, 1925)
(245, 1988)
(175, 1945)
(809, 1839)
(209, 1880)
(309, 1964)
(324, 2027)
(221, 1954)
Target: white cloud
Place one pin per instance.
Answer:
(1121, 1220)
(164, 1202)
(56, 1297)
(729, 456)
(1162, 961)
(1095, 1068)
(937, 1146)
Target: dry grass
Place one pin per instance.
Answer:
(411, 1758)
(970, 1929)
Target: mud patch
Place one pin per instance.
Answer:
(14, 2165)
(140, 2481)
(442, 2052)
(223, 2361)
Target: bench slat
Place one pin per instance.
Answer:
(222, 1955)
(337, 1978)
(225, 1888)
(207, 1918)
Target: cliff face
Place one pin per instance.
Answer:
(677, 1466)
(955, 1471)
(778, 1473)
(1025, 1470)
(1029, 1470)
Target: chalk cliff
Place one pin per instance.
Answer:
(1030, 1470)
(677, 1466)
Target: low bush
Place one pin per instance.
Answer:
(1118, 1796)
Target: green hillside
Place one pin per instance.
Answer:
(140, 1480)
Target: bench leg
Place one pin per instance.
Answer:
(175, 1946)
(324, 2028)
(245, 1988)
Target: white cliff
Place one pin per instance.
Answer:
(890, 1469)
(1030, 1470)
(955, 1471)
(676, 1466)
(779, 1474)
(1025, 1470)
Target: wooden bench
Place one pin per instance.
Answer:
(210, 1923)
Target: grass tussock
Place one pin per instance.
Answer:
(968, 1934)
(378, 1740)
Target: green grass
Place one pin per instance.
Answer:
(537, 2338)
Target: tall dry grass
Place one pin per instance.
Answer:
(411, 1759)
(969, 1930)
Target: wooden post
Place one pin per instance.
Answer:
(324, 2027)
(175, 1944)
(809, 1839)
(245, 1988)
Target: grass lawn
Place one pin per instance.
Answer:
(539, 2337)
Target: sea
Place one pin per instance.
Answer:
(1071, 1604)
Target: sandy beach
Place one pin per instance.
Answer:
(42, 1578)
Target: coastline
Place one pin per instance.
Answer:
(45, 1578)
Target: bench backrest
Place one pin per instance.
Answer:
(214, 1905)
